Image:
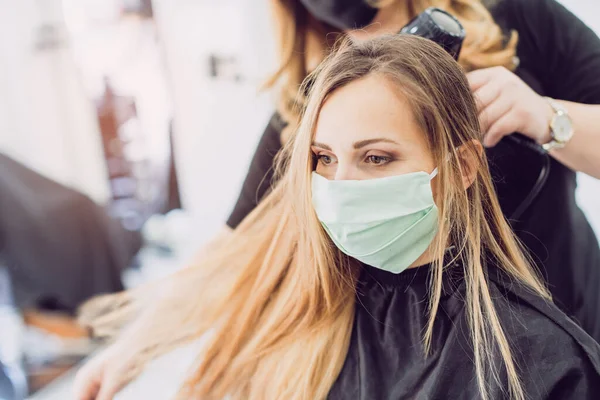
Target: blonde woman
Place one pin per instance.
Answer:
(379, 266)
(515, 53)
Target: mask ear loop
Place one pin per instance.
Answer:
(433, 174)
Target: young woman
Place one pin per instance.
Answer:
(517, 52)
(379, 266)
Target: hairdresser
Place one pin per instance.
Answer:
(533, 66)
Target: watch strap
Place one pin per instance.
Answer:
(559, 110)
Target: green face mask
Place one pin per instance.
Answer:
(386, 223)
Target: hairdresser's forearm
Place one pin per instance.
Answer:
(582, 153)
(507, 104)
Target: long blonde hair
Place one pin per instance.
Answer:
(301, 39)
(278, 298)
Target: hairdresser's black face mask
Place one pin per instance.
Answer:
(341, 14)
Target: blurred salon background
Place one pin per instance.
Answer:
(126, 130)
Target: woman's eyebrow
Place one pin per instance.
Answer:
(321, 145)
(359, 144)
(363, 143)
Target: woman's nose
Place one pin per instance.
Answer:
(346, 172)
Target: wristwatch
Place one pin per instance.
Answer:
(561, 127)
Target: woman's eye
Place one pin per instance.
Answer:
(377, 160)
(324, 159)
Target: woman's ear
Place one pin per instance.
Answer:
(469, 155)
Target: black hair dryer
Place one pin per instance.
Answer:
(441, 27)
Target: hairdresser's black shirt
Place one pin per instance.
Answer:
(559, 57)
(555, 358)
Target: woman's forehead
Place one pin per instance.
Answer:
(368, 107)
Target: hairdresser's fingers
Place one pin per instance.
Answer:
(505, 125)
(487, 94)
(530, 112)
(495, 110)
(481, 77)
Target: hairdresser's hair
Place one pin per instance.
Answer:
(302, 40)
(277, 299)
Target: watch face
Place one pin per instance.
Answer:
(562, 128)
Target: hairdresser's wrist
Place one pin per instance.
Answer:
(545, 133)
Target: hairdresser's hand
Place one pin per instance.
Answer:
(507, 105)
(103, 376)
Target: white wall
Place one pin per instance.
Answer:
(218, 123)
(587, 10)
(45, 120)
(48, 123)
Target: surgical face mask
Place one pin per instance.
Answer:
(342, 14)
(386, 223)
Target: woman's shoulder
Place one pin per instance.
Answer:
(558, 358)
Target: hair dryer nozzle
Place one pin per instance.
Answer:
(441, 27)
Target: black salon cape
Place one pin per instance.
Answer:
(559, 57)
(555, 358)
